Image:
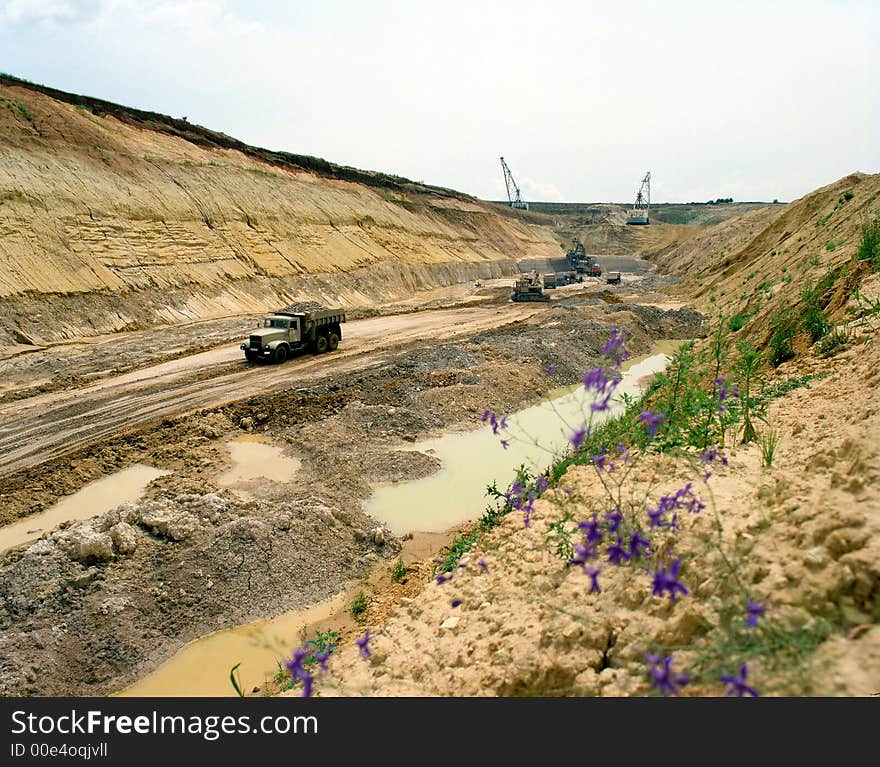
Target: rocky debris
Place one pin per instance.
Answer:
(131, 586)
(303, 307)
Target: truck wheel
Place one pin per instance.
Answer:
(333, 342)
(321, 344)
(280, 354)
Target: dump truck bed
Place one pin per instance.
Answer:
(319, 317)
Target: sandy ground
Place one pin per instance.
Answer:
(804, 534)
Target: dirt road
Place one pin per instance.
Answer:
(50, 425)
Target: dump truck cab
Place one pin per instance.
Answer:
(272, 332)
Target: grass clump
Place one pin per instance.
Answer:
(399, 571)
(782, 341)
(869, 245)
(359, 604)
(769, 442)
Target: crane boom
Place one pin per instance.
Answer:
(514, 198)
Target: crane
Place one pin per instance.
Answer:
(642, 207)
(514, 198)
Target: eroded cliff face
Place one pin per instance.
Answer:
(108, 223)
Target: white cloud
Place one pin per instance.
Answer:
(196, 18)
(36, 11)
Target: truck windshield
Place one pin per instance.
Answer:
(273, 323)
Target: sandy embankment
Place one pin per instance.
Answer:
(807, 532)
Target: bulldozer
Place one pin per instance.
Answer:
(529, 287)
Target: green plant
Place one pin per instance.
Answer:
(748, 368)
(359, 604)
(784, 328)
(831, 246)
(738, 321)
(813, 317)
(399, 571)
(233, 679)
(768, 441)
(869, 245)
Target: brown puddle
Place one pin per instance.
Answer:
(471, 460)
(202, 667)
(254, 459)
(94, 499)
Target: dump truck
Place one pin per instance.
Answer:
(613, 278)
(529, 287)
(550, 281)
(295, 328)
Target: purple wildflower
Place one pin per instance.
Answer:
(528, 508)
(662, 676)
(582, 555)
(321, 659)
(683, 498)
(736, 685)
(603, 382)
(656, 516)
(363, 644)
(505, 444)
(456, 602)
(494, 421)
(638, 545)
(296, 668)
(617, 555)
(722, 392)
(651, 422)
(615, 347)
(711, 454)
(754, 610)
(593, 572)
(541, 484)
(592, 533)
(483, 564)
(614, 520)
(514, 495)
(551, 369)
(600, 458)
(442, 578)
(578, 436)
(667, 580)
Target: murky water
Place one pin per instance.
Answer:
(473, 460)
(253, 459)
(102, 495)
(201, 668)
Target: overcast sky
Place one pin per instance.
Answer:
(750, 100)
